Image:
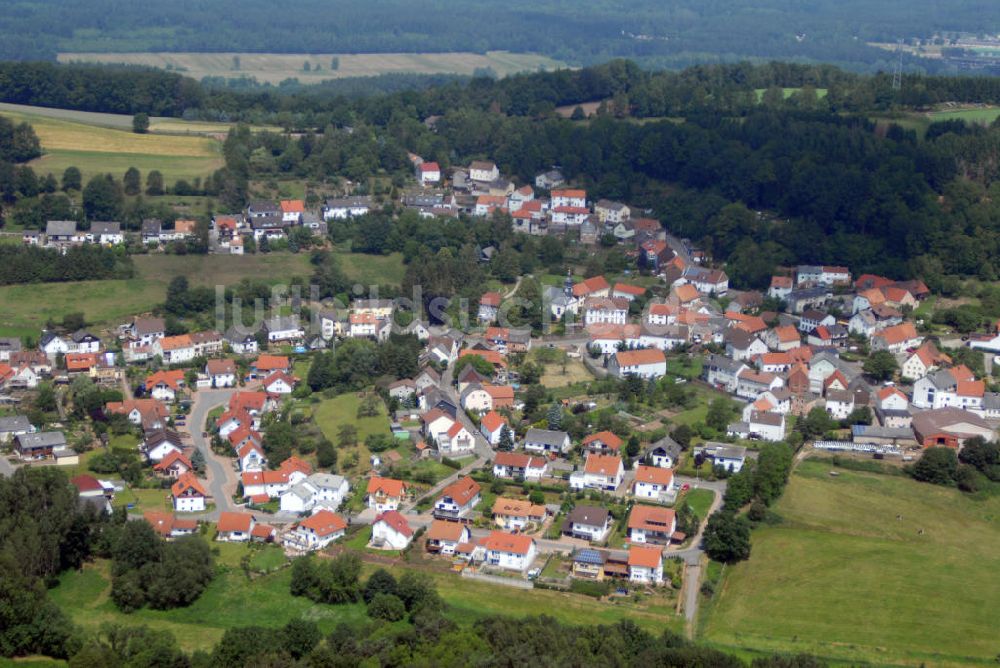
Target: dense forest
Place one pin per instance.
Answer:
(676, 33)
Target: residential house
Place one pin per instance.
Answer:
(742, 346)
(922, 361)
(428, 173)
(283, 329)
(611, 212)
(664, 453)
(164, 385)
(828, 336)
(707, 281)
(603, 443)
(569, 197)
(188, 494)
(780, 287)
(518, 466)
(896, 339)
(651, 524)
(318, 490)
(106, 233)
(839, 403)
(604, 472)
(13, 426)
(158, 443)
(173, 465)
(729, 457)
(443, 537)
(587, 522)
(722, 372)
(315, 532)
(762, 425)
(509, 551)
(550, 179)
(292, 211)
(546, 441)
(644, 363)
(168, 525)
(645, 564)
(517, 514)
(489, 306)
(483, 171)
(221, 372)
(391, 531)
(241, 342)
(813, 318)
(654, 483)
(492, 426)
(385, 493)
(234, 527)
(346, 207)
(458, 499)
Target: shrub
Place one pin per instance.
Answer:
(388, 607)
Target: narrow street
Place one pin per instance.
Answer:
(220, 473)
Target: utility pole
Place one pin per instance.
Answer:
(897, 70)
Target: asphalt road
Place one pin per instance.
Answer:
(220, 474)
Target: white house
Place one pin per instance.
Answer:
(221, 372)
(385, 493)
(509, 551)
(729, 457)
(318, 490)
(569, 197)
(896, 339)
(603, 472)
(546, 440)
(444, 537)
(605, 310)
(188, 494)
(234, 527)
(839, 403)
(428, 173)
(159, 443)
(391, 531)
(645, 564)
(518, 466)
(492, 426)
(316, 532)
(651, 524)
(458, 499)
(483, 171)
(588, 522)
(646, 363)
(346, 207)
(654, 483)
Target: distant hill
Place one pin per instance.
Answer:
(671, 33)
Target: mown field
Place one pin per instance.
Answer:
(24, 309)
(276, 67)
(88, 144)
(841, 577)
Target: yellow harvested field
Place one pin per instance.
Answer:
(57, 134)
(276, 67)
(98, 143)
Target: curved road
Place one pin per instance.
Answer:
(221, 476)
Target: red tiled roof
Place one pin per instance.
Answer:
(654, 475)
(650, 517)
(394, 519)
(324, 523)
(445, 530)
(603, 464)
(271, 363)
(609, 439)
(492, 421)
(636, 357)
(501, 541)
(234, 522)
(589, 286)
(185, 482)
(388, 486)
(462, 490)
(645, 556)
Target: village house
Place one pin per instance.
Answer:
(221, 372)
(15, 426)
(604, 472)
(518, 466)
(443, 537)
(167, 525)
(188, 494)
(457, 500)
(825, 275)
(587, 522)
(315, 532)
(922, 361)
(509, 551)
(654, 483)
(603, 443)
(742, 346)
(173, 465)
(645, 363)
(234, 527)
(492, 427)
(517, 514)
(346, 207)
(158, 443)
(546, 441)
(645, 564)
(165, 385)
(385, 493)
(318, 490)
(896, 339)
(391, 531)
(729, 457)
(651, 524)
(489, 306)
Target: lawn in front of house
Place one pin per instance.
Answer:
(866, 567)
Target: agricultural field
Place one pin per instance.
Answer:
(984, 115)
(98, 149)
(276, 67)
(24, 309)
(929, 552)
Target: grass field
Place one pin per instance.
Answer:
(275, 67)
(842, 577)
(97, 149)
(788, 92)
(332, 413)
(984, 115)
(373, 269)
(700, 501)
(233, 600)
(24, 309)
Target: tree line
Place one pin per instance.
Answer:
(29, 264)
